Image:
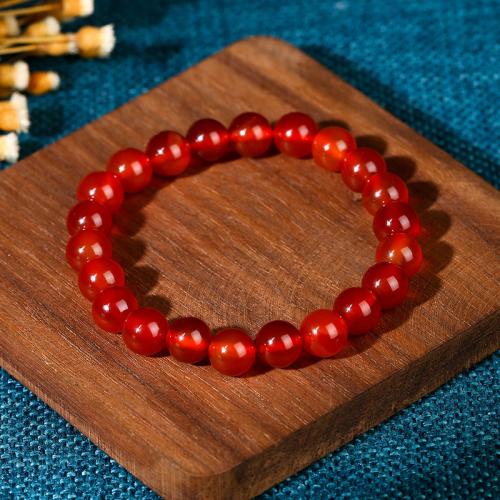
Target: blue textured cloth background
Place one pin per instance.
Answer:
(435, 65)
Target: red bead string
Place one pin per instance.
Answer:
(324, 332)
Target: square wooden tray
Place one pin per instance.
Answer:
(241, 243)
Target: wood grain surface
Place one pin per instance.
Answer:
(240, 243)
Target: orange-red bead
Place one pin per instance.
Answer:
(358, 165)
(101, 187)
(294, 134)
(324, 333)
(251, 134)
(99, 274)
(382, 189)
(89, 215)
(87, 245)
(388, 282)
(188, 339)
(209, 139)
(360, 309)
(396, 218)
(169, 153)
(111, 308)
(279, 344)
(402, 250)
(132, 168)
(145, 331)
(330, 147)
(232, 352)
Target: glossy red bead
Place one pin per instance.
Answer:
(294, 134)
(209, 139)
(188, 339)
(132, 167)
(111, 308)
(101, 187)
(87, 245)
(232, 352)
(330, 147)
(99, 274)
(396, 218)
(324, 333)
(169, 153)
(89, 215)
(145, 331)
(358, 165)
(402, 250)
(388, 282)
(251, 134)
(279, 344)
(360, 309)
(382, 189)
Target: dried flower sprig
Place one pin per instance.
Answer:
(9, 147)
(14, 114)
(64, 9)
(95, 42)
(17, 76)
(14, 76)
(44, 27)
(89, 42)
(42, 82)
(63, 47)
(40, 24)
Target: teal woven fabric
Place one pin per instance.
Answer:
(435, 65)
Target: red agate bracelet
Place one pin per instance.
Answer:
(324, 332)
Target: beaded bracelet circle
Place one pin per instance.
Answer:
(324, 332)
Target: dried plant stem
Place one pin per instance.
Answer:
(10, 3)
(35, 9)
(18, 50)
(29, 40)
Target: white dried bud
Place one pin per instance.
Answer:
(96, 42)
(76, 8)
(9, 147)
(47, 26)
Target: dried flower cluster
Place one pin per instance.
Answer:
(30, 28)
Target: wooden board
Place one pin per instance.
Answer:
(241, 243)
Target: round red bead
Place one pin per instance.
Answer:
(145, 331)
(188, 339)
(89, 215)
(99, 274)
(294, 134)
(209, 139)
(359, 165)
(396, 218)
(279, 344)
(251, 134)
(169, 153)
(382, 189)
(103, 188)
(132, 168)
(360, 309)
(87, 245)
(232, 352)
(324, 333)
(111, 308)
(402, 250)
(330, 147)
(388, 282)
